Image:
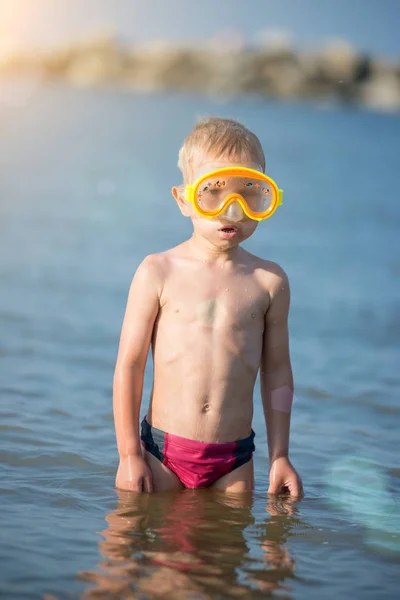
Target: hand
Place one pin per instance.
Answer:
(134, 474)
(283, 478)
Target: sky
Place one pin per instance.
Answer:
(370, 25)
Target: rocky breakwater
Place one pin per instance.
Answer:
(336, 73)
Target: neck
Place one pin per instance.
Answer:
(208, 252)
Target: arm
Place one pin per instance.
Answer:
(277, 388)
(141, 311)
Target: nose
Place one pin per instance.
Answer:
(234, 212)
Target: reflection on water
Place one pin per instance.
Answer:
(353, 478)
(192, 544)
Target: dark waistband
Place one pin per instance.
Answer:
(158, 436)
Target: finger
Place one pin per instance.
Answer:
(295, 488)
(148, 483)
(273, 488)
(127, 486)
(134, 486)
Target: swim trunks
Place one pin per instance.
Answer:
(197, 464)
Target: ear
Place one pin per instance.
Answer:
(178, 192)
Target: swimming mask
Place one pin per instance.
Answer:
(231, 190)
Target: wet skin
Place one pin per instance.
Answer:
(213, 314)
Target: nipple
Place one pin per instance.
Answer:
(234, 212)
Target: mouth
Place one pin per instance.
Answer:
(228, 231)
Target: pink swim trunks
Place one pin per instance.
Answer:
(197, 464)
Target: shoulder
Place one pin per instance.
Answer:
(278, 280)
(274, 283)
(155, 268)
(151, 272)
(271, 276)
(154, 264)
(163, 263)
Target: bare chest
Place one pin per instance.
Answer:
(215, 303)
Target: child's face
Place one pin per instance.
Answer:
(220, 231)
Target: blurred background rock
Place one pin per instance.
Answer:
(285, 50)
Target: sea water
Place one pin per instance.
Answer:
(85, 180)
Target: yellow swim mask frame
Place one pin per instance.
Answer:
(192, 195)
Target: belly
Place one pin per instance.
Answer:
(203, 383)
(211, 421)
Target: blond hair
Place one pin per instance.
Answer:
(219, 137)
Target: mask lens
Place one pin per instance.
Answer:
(212, 192)
(258, 194)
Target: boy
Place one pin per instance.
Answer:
(214, 315)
